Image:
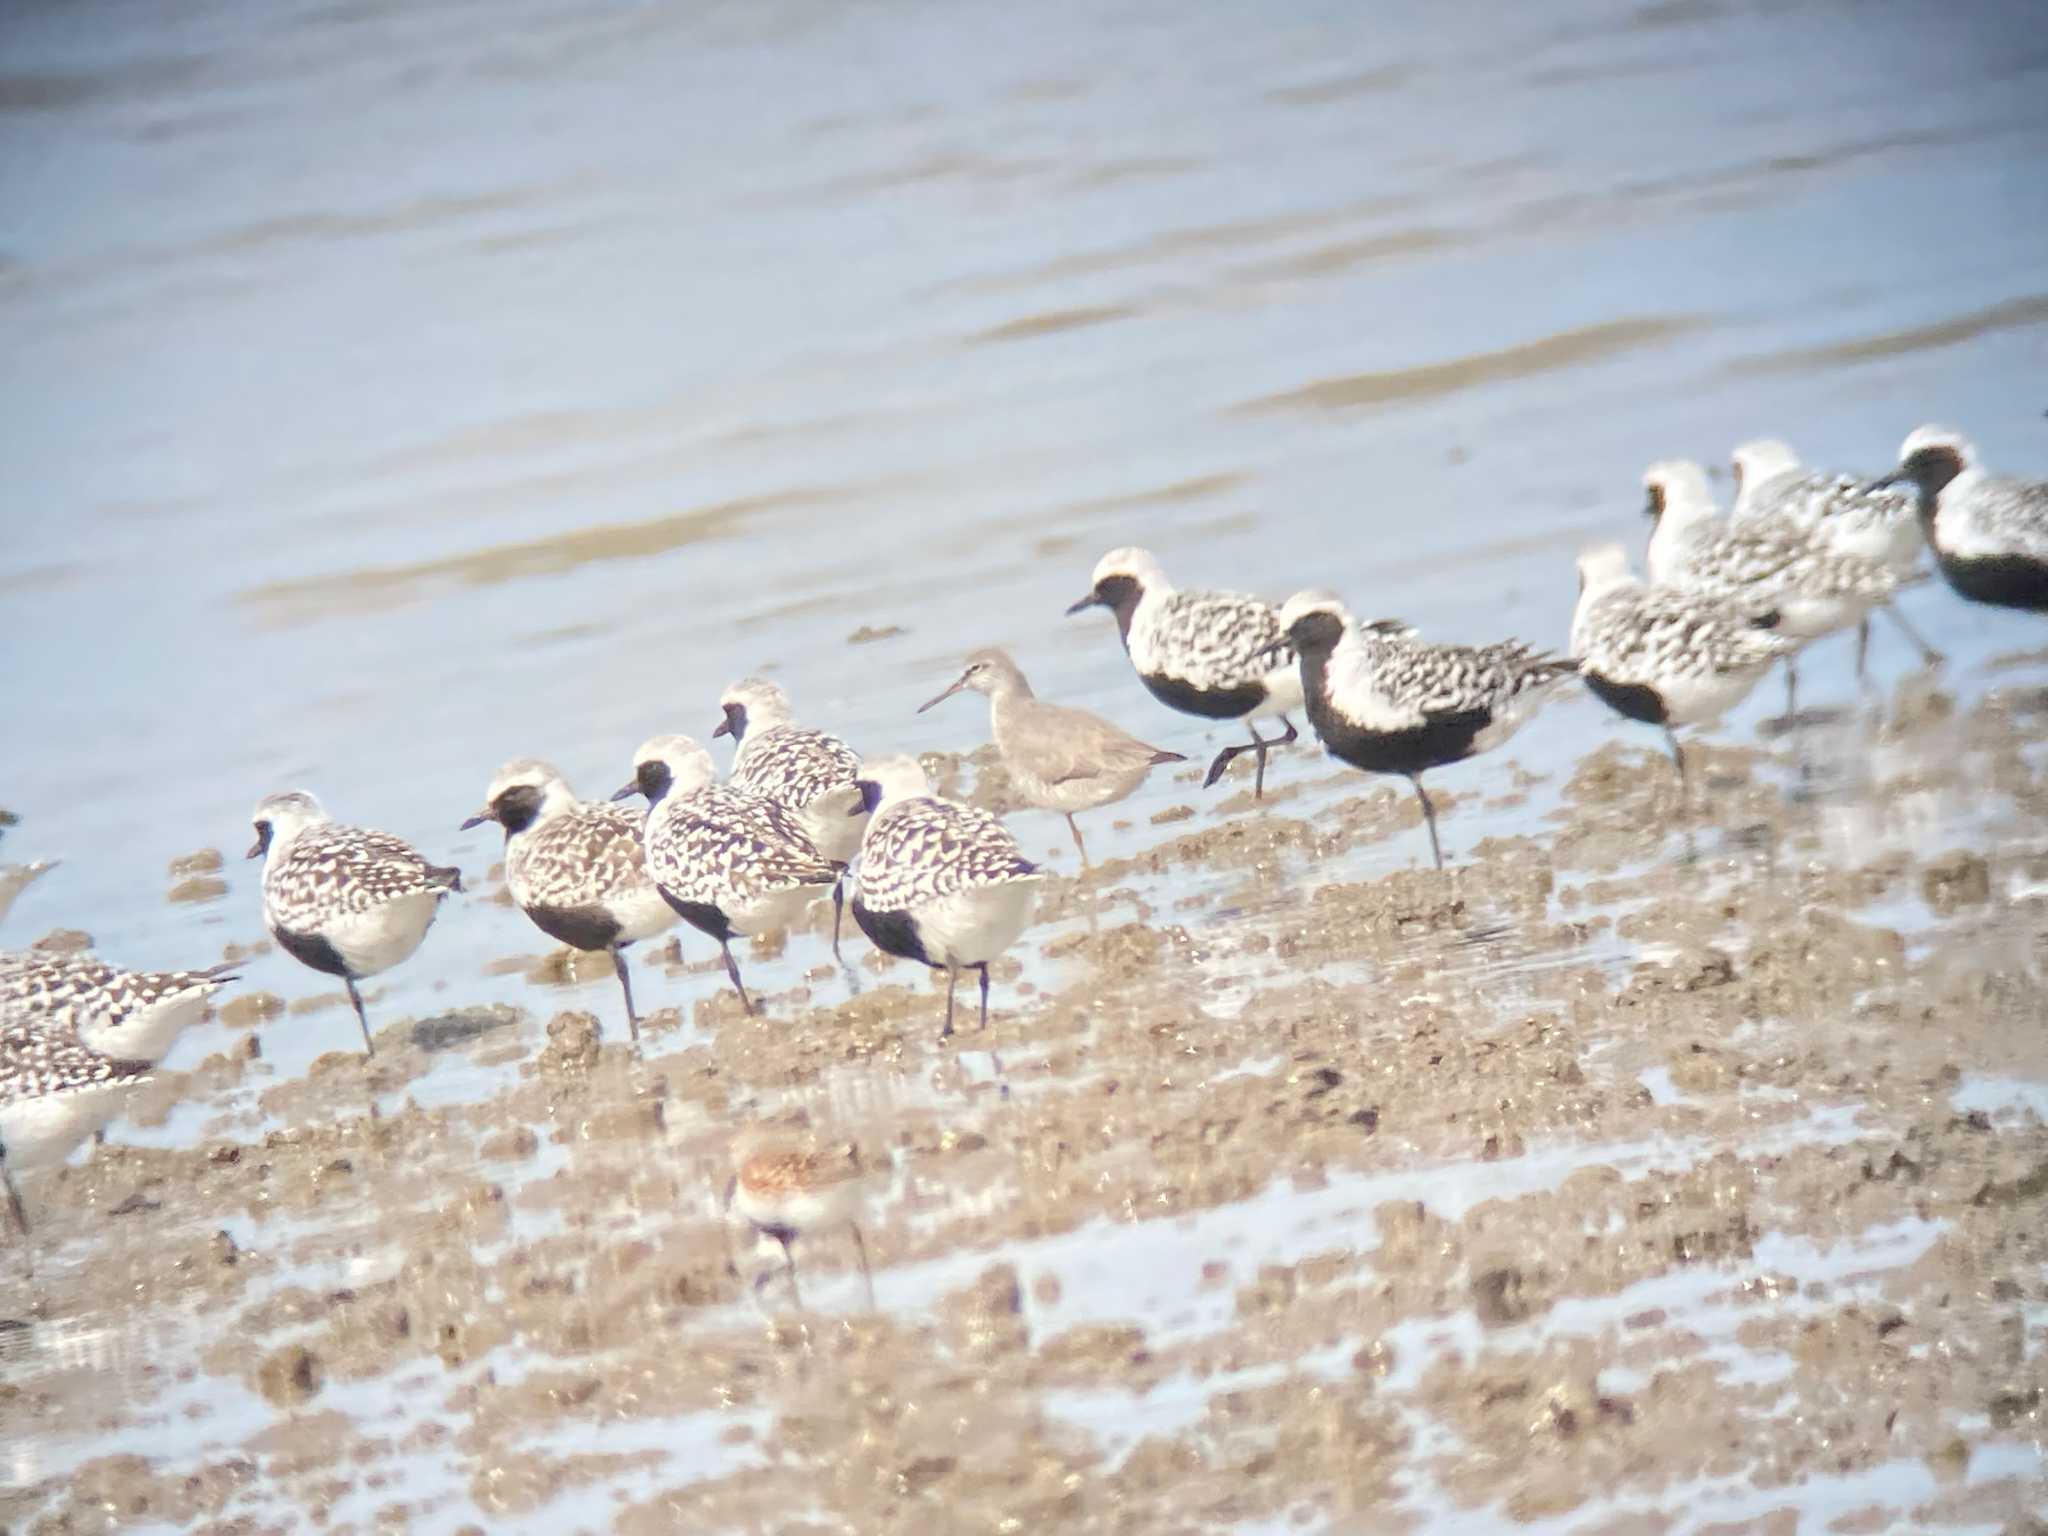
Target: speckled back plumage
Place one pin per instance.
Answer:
(62, 992)
(1211, 640)
(331, 871)
(1995, 515)
(720, 843)
(1812, 499)
(37, 1061)
(586, 856)
(1400, 681)
(1657, 635)
(920, 849)
(793, 765)
(1756, 563)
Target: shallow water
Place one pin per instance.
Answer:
(391, 391)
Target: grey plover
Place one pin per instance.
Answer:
(1662, 655)
(75, 1035)
(1212, 654)
(345, 901)
(1382, 699)
(575, 867)
(811, 772)
(785, 1191)
(730, 862)
(1058, 758)
(16, 878)
(938, 882)
(1766, 569)
(1844, 512)
(1989, 533)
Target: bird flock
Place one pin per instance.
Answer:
(801, 816)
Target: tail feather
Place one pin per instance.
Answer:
(1166, 757)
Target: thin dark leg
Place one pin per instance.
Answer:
(362, 1018)
(1862, 647)
(838, 912)
(15, 1208)
(952, 981)
(732, 969)
(789, 1264)
(1074, 827)
(983, 968)
(860, 1247)
(1259, 747)
(626, 986)
(1428, 817)
(1678, 757)
(1791, 689)
(1929, 656)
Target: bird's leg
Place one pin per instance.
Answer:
(732, 969)
(1862, 650)
(1289, 739)
(1074, 827)
(362, 1018)
(838, 912)
(952, 981)
(789, 1265)
(983, 968)
(1260, 746)
(15, 1208)
(860, 1247)
(626, 986)
(1678, 757)
(1929, 656)
(1791, 690)
(1428, 817)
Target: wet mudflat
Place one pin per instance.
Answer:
(1653, 1172)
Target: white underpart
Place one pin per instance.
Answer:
(803, 1210)
(42, 1131)
(374, 941)
(148, 1033)
(973, 926)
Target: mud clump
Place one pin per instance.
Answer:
(575, 1043)
(1954, 881)
(290, 1376)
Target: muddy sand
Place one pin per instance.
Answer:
(1648, 1172)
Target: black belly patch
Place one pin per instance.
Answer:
(2004, 580)
(1638, 701)
(894, 933)
(1209, 703)
(1408, 751)
(309, 949)
(577, 927)
(702, 916)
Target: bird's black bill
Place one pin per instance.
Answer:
(478, 820)
(627, 792)
(1887, 481)
(256, 849)
(1090, 601)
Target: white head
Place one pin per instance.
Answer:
(1677, 493)
(889, 778)
(669, 765)
(1603, 567)
(989, 670)
(1930, 437)
(1122, 578)
(525, 793)
(1761, 459)
(282, 817)
(751, 704)
(1930, 458)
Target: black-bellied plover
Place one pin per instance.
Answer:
(1765, 569)
(75, 1035)
(1842, 511)
(1989, 533)
(731, 863)
(1382, 699)
(575, 866)
(811, 772)
(786, 1191)
(1663, 655)
(1058, 758)
(346, 901)
(1211, 654)
(938, 882)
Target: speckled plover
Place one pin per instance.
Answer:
(1211, 654)
(1384, 700)
(1842, 511)
(575, 866)
(1765, 569)
(346, 901)
(75, 1035)
(1058, 758)
(811, 772)
(938, 882)
(730, 862)
(1662, 655)
(1989, 533)
(784, 1191)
